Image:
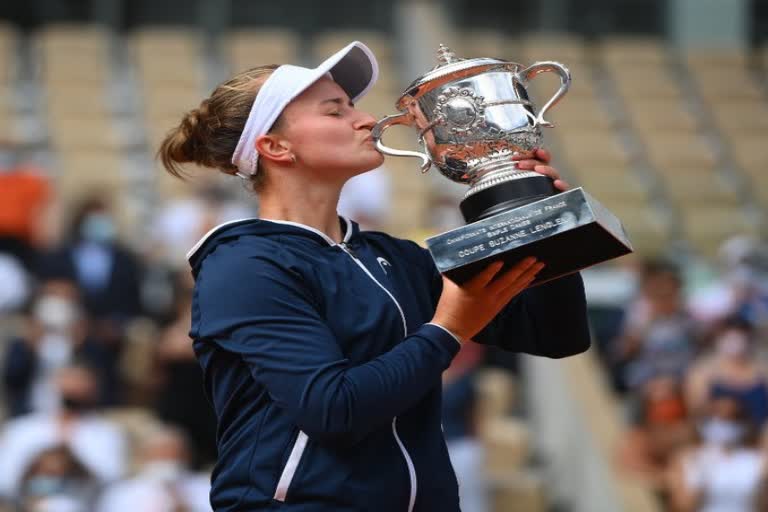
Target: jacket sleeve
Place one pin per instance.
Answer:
(265, 312)
(547, 320)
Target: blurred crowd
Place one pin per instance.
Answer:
(689, 357)
(102, 398)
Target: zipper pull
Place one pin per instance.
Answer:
(347, 249)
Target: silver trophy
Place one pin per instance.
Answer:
(472, 115)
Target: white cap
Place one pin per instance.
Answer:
(354, 68)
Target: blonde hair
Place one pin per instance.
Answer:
(208, 134)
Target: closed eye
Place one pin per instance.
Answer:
(340, 102)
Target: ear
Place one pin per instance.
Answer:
(274, 148)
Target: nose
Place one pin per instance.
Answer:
(364, 121)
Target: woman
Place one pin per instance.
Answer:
(322, 346)
(726, 472)
(736, 368)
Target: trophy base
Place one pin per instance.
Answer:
(504, 196)
(568, 231)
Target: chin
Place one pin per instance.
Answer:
(367, 164)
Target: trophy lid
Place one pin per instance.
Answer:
(450, 68)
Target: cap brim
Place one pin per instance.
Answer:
(354, 68)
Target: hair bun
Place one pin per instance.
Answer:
(207, 135)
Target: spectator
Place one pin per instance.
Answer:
(183, 221)
(163, 483)
(56, 481)
(742, 287)
(659, 428)
(658, 335)
(734, 369)
(56, 335)
(97, 442)
(25, 197)
(725, 472)
(107, 272)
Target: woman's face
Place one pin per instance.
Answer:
(327, 134)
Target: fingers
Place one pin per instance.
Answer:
(546, 170)
(514, 274)
(539, 155)
(543, 155)
(482, 279)
(520, 284)
(534, 165)
(530, 164)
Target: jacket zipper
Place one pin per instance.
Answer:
(352, 255)
(403, 450)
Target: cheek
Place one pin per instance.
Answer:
(319, 132)
(334, 144)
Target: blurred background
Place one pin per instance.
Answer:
(666, 124)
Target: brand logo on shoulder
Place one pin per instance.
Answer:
(384, 264)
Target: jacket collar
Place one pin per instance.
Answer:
(256, 226)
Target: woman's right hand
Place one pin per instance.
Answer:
(467, 308)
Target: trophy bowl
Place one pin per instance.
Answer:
(472, 116)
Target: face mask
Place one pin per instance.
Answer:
(55, 313)
(163, 470)
(98, 227)
(721, 432)
(733, 344)
(45, 485)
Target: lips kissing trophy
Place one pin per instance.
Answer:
(472, 115)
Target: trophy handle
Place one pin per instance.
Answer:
(404, 119)
(565, 83)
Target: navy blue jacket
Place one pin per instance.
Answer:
(325, 374)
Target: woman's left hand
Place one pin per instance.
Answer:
(541, 165)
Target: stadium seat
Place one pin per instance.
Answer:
(660, 114)
(380, 43)
(487, 43)
(582, 112)
(270, 45)
(706, 226)
(582, 148)
(698, 186)
(633, 52)
(83, 134)
(8, 41)
(570, 50)
(649, 231)
(740, 116)
(648, 82)
(669, 151)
